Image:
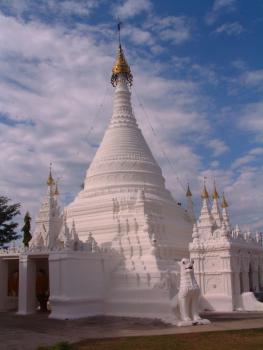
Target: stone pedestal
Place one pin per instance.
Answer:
(79, 282)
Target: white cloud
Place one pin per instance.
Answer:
(207, 73)
(253, 78)
(157, 31)
(73, 7)
(234, 28)
(171, 28)
(219, 7)
(61, 8)
(131, 8)
(250, 157)
(252, 119)
(138, 36)
(239, 64)
(218, 147)
(245, 196)
(223, 4)
(246, 81)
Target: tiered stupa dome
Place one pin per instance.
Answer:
(121, 170)
(123, 158)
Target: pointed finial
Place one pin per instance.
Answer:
(121, 66)
(224, 203)
(56, 192)
(215, 193)
(204, 194)
(119, 31)
(50, 180)
(188, 192)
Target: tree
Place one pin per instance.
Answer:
(26, 229)
(7, 225)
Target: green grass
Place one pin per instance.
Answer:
(232, 340)
(251, 339)
(59, 346)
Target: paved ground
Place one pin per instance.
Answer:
(29, 332)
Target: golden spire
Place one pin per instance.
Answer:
(188, 192)
(224, 203)
(121, 66)
(215, 194)
(56, 192)
(50, 180)
(204, 194)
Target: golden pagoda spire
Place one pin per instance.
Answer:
(50, 180)
(224, 203)
(121, 66)
(188, 192)
(56, 192)
(215, 194)
(204, 194)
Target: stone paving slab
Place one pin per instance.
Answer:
(29, 332)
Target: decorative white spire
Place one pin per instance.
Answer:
(238, 231)
(205, 222)
(190, 204)
(225, 215)
(216, 213)
(50, 180)
(48, 221)
(56, 191)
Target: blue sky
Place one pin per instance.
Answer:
(198, 72)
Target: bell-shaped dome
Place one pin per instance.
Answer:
(123, 158)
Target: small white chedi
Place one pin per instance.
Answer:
(228, 263)
(116, 249)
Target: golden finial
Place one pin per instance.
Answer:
(204, 194)
(121, 66)
(215, 194)
(50, 180)
(224, 203)
(188, 192)
(56, 192)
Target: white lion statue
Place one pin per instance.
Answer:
(185, 304)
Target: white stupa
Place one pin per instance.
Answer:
(126, 207)
(115, 249)
(49, 219)
(124, 187)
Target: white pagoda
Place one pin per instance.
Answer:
(124, 188)
(115, 250)
(127, 208)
